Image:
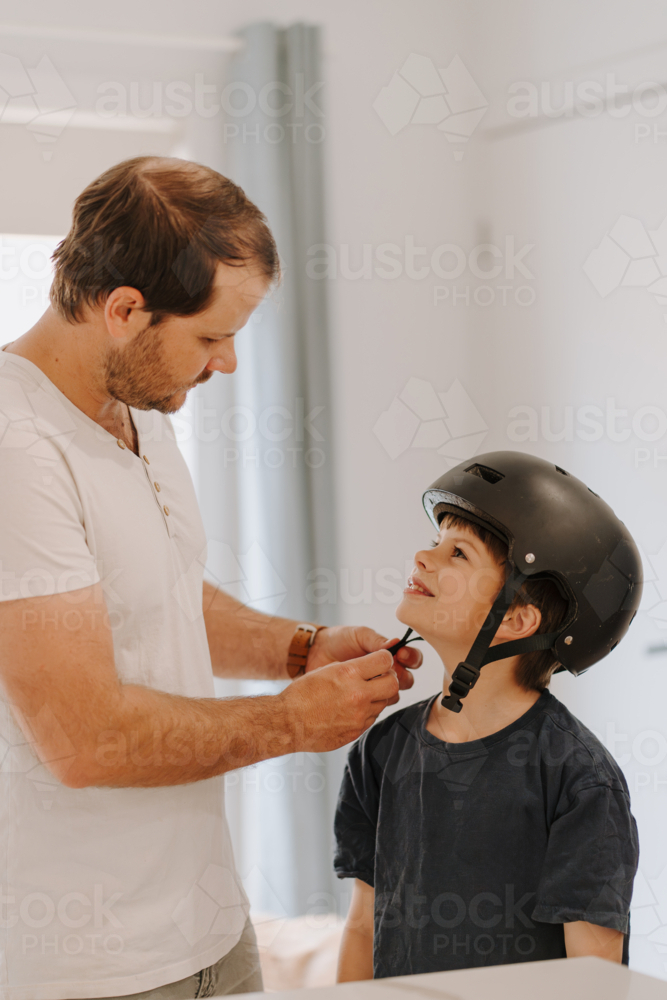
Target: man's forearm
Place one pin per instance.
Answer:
(245, 643)
(153, 739)
(138, 737)
(89, 728)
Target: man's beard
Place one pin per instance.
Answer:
(140, 376)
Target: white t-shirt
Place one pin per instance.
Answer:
(106, 891)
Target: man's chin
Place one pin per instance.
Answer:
(167, 404)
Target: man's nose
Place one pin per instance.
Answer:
(223, 361)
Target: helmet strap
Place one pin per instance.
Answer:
(467, 673)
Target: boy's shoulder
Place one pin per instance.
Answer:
(564, 737)
(548, 735)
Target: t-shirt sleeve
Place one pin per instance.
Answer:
(43, 546)
(591, 861)
(355, 823)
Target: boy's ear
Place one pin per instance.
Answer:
(520, 621)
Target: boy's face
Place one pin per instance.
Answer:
(451, 589)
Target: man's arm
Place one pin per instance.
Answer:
(90, 729)
(582, 938)
(355, 961)
(248, 644)
(244, 643)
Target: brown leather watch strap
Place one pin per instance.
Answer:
(297, 654)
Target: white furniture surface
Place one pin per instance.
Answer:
(562, 979)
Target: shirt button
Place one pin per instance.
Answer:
(121, 444)
(146, 460)
(166, 510)
(157, 486)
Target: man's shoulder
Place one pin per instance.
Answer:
(36, 427)
(18, 385)
(565, 740)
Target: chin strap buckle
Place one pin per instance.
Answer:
(464, 679)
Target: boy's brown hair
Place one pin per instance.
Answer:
(161, 226)
(534, 669)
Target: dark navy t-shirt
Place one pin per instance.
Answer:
(479, 852)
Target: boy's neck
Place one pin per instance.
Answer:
(495, 702)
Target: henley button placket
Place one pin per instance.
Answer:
(164, 510)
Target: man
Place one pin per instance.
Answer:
(125, 883)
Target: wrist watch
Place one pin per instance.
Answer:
(297, 655)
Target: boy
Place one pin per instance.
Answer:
(496, 829)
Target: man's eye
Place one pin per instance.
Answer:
(209, 340)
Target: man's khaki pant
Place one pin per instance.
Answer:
(237, 972)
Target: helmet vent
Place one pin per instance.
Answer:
(562, 471)
(485, 473)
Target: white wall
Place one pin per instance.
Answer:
(561, 187)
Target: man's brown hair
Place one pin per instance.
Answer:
(160, 226)
(534, 670)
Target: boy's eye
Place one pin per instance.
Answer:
(434, 543)
(459, 553)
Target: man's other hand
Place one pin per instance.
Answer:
(342, 643)
(334, 705)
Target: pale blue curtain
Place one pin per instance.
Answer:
(262, 452)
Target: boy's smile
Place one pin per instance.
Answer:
(448, 597)
(450, 590)
(415, 586)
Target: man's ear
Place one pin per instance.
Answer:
(124, 313)
(519, 622)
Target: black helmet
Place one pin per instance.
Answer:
(555, 527)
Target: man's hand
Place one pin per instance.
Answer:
(348, 642)
(92, 729)
(334, 705)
